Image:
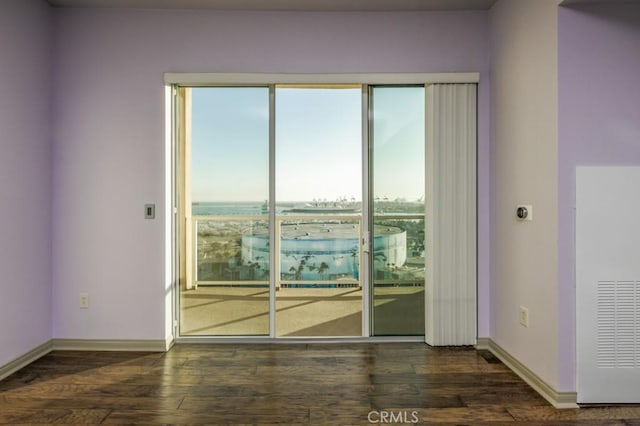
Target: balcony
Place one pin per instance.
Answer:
(317, 274)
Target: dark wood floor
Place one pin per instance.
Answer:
(336, 384)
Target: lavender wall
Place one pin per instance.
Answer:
(25, 172)
(108, 129)
(599, 124)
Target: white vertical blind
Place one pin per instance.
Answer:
(450, 216)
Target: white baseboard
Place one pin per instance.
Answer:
(555, 398)
(168, 344)
(482, 343)
(110, 345)
(84, 345)
(26, 359)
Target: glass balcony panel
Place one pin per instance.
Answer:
(233, 252)
(398, 275)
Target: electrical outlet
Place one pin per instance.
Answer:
(524, 316)
(84, 300)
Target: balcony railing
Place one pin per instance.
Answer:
(310, 250)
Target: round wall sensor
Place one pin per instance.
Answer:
(522, 213)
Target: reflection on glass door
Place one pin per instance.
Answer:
(226, 180)
(318, 211)
(398, 267)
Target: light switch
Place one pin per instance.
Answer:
(149, 211)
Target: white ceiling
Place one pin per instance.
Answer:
(302, 5)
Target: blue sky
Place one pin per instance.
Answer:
(318, 143)
(230, 144)
(398, 142)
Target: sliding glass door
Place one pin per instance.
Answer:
(318, 210)
(398, 263)
(226, 174)
(302, 210)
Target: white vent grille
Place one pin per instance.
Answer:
(618, 324)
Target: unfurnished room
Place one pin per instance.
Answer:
(320, 212)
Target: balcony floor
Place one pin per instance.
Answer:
(300, 312)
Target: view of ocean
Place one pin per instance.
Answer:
(256, 208)
(247, 208)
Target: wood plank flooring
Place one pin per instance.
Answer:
(338, 384)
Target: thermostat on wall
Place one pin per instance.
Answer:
(524, 212)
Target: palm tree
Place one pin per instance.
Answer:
(324, 267)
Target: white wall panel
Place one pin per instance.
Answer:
(608, 284)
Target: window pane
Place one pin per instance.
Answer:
(319, 211)
(398, 216)
(229, 176)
